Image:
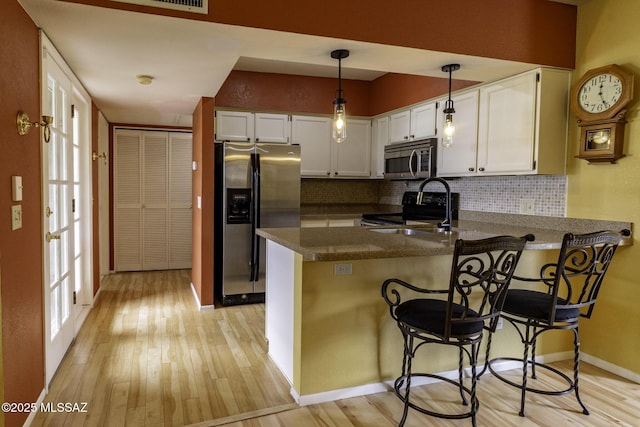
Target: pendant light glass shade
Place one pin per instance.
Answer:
(449, 130)
(339, 121)
(339, 133)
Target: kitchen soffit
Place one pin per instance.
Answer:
(107, 48)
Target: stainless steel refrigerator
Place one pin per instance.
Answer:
(256, 185)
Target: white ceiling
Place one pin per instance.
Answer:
(107, 48)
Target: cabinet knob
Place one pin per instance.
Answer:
(406, 137)
(328, 173)
(257, 139)
(412, 136)
(481, 169)
(472, 169)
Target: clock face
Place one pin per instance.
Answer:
(600, 93)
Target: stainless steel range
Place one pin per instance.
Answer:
(431, 208)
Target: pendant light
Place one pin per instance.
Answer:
(449, 129)
(339, 112)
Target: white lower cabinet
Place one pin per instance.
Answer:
(322, 158)
(152, 200)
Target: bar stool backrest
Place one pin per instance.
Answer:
(574, 282)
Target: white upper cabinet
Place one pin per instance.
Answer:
(517, 127)
(352, 157)
(322, 158)
(379, 139)
(314, 136)
(523, 124)
(243, 126)
(273, 128)
(460, 158)
(234, 126)
(413, 124)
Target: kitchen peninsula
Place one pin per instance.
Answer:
(328, 327)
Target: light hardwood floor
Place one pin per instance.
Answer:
(147, 357)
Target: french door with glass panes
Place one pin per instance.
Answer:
(64, 197)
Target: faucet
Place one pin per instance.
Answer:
(446, 223)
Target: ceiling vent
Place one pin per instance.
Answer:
(197, 6)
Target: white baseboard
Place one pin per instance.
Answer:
(363, 390)
(610, 367)
(195, 296)
(32, 415)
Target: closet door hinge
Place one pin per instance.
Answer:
(73, 111)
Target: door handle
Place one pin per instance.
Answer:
(51, 237)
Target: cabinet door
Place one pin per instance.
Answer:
(353, 156)
(180, 204)
(506, 130)
(314, 136)
(460, 158)
(399, 127)
(155, 183)
(127, 196)
(274, 128)
(379, 139)
(234, 126)
(423, 121)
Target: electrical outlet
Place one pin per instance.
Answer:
(16, 217)
(342, 269)
(527, 206)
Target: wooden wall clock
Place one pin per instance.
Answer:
(599, 101)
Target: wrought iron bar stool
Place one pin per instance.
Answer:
(569, 291)
(480, 274)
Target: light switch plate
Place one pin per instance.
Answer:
(16, 217)
(16, 188)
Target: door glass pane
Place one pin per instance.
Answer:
(53, 157)
(54, 267)
(64, 165)
(76, 202)
(54, 222)
(76, 163)
(64, 253)
(78, 276)
(64, 206)
(76, 239)
(66, 302)
(55, 312)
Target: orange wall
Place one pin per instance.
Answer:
(202, 250)
(302, 94)
(21, 250)
(393, 91)
(534, 31)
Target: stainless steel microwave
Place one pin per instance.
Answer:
(411, 160)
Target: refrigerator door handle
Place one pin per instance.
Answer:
(255, 217)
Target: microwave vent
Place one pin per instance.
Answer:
(196, 6)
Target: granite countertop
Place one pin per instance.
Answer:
(354, 243)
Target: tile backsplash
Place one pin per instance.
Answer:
(503, 194)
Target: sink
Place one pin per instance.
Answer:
(404, 231)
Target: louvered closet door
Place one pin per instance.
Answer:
(180, 202)
(155, 164)
(127, 201)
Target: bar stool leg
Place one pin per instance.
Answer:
(576, 368)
